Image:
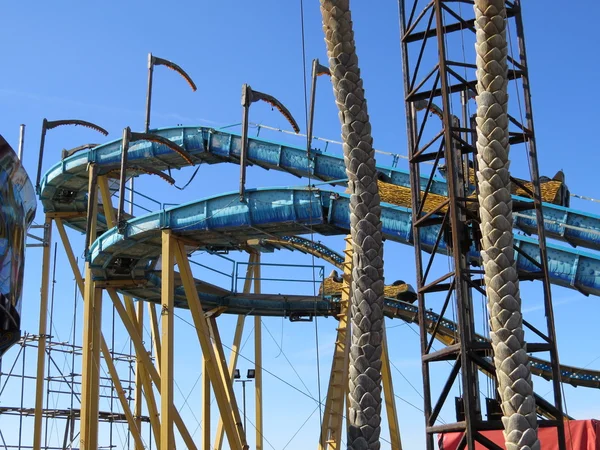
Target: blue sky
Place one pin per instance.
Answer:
(88, 61)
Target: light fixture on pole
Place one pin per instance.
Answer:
(250, 375)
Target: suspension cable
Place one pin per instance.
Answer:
(312, 234)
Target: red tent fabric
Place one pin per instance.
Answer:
(581, 435)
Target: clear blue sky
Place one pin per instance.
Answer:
(88, 60)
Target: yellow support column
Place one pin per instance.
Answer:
(333, 415)
(150, 369)
(136, 432)
(205, 407)
(221, 367)
(92, 317)
(166, 358)
(142, 380)
(134, 428)
(388, 391)
(41, 354)
(153, 411)
(139, 368)
(237, 341)
(148, 389)
(220, 381)
(258, 397)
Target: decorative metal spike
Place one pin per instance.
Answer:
(49, 125)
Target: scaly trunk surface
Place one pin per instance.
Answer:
(502, 285)
(364, 412)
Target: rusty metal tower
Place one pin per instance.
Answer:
(439, 81)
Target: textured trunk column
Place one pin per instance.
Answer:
(364, 416)
(502, 284)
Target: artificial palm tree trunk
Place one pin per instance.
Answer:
(502, 285)
(364, 411)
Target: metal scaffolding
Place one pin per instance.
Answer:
(439, 81)
(62, 393)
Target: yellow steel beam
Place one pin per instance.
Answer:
(42, 330)
(223, 389)
(139, 368)
(388, 391)
(233, 357)
(142, 380)
(167, 322)
(144, 357)
(221, 367)
(331, 428)
(109, 211)
(66, 215)
(128, 317)
(205, 407)
(237, 340)
(153, 411)
(134, 426)
(258, 397)
(92, 316)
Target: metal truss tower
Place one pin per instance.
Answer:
(439, 80)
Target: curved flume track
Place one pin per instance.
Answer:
(408, 312)
(64, 186)
(223, 223)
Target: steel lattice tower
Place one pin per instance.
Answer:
(435, 84)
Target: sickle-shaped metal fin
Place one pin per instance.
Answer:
(255, 96)
(114, 173)
(171, 65)
(319, 69)
(66, 153)
(434, 109)
(164, 141)
(50, 124)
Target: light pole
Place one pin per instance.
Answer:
(249, 377)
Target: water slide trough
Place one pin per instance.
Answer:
(127, 258)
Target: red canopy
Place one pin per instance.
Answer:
(581, 435)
